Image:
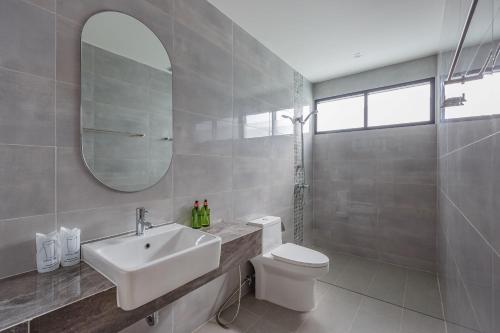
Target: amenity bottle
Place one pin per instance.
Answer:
(205, 220)
(195, 216)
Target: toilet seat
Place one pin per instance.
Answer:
(299, 255)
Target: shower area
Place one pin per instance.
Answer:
(407, 214)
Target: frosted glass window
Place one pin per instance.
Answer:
(406, 104)
(482, 97)
(409, 104)
(340, 114)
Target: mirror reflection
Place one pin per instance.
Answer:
(126, 102)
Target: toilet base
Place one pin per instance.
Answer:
(286, 285)
(279, 292)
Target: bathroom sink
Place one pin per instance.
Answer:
(146, 267)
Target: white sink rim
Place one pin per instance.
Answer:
(98, 247)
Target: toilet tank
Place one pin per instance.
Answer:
(271, 231)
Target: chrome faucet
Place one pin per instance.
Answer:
(140, 221)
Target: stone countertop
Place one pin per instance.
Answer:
(29, 295)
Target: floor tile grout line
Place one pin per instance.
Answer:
(442, 303)
(401, 317)
(384, 301)
(406, 287)
(355, 317)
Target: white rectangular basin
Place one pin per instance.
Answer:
(146, 267)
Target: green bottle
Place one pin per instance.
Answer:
(195, 216)
(205, 220)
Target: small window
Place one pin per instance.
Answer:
(482, 98)
(410, 104)
(402, 105)
(341, 114)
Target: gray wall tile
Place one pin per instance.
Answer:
(32, 98)
(375, 192)
(468, 233)
(205, 19)
(27, 180)
(197, 174)
(68, 50)
(67, 115)
(18, 252)
(47, 4)
(20, 21)
(198, 134)
(193, 51)
(197, 93)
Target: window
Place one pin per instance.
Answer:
(402, 105)
(341, 113)
(482, 98)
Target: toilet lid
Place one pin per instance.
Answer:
(299, 255)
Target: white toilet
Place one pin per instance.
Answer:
(285, 274)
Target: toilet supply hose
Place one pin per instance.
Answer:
(228, 303)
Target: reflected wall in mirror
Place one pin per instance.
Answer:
(126, 102)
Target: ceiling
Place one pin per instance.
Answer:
(323, 39)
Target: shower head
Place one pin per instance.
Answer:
(288, 117)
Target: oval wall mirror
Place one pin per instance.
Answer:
(126, 102)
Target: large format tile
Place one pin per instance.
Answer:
(338, 262)
(193, 51)
(27, 40)
(456, 304)
(335, 313)
(377, 317)
(357, 275)
(250, 172)
(198, 134)
(68, 115)
(422, 294)
(207, 20)
(496, 294)
(17, 239)
(474, 262)
(26, 109)
(197, 93)
(27, 183)
(414, 322)
(388, 284)
(197, 174)
(250, 50)
(407, 171)
(254, 83)
(472, 183)
(47, 4)
(68, 50)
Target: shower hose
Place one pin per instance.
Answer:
(228, 303)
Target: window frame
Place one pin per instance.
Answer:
(432, 118)
(442, 109)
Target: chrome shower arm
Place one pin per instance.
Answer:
(309, 116)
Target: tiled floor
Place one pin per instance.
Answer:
(356, 296)
(339, 310)
(410, 289)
